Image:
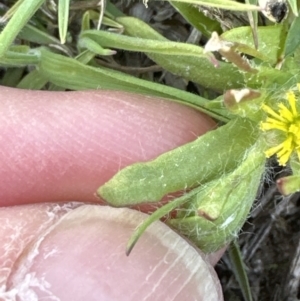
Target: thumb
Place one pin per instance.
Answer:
(79, 254)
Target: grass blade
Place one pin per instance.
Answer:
(224, 4)
(21, 16)
(239, 270)
(63, 18)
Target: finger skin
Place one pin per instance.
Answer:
(80, 255)
(62, 146)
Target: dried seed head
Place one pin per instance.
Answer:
(275, 10)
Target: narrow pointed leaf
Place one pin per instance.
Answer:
(239, 270)
(156, 215)
(225, 4)
(63, 19)
(294, 6)
(18, 20)
(253, 19)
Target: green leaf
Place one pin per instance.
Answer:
(90, 44)
(294, 6)
(93, 15)
(63, 19)
(295, 165)
(232, 193)
(269, 39)
(112, 10)
(19, 56)
(196, 18)
(156, 215)
(86, 19)
(12, 76)
(32, 81)
(39, 35)
(253, 20)
(10, 12)
(33, 34)
(85, 57)
(199, 70)
(20, 17)
(288, 185)
(272, 80)
(108, 39)
(239, 270)
(195, 163)
(225, 4)
(71, 74)
(293, 38)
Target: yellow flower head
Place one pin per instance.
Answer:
(286, 120)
